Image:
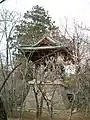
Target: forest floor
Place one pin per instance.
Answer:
(60, 116)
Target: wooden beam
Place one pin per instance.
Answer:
(40, 48)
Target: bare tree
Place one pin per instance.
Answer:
(8, 21)
(48, 76)
(79, 43)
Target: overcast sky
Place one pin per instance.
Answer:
(58, 9)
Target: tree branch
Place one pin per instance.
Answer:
(2, 1)
(6, 79)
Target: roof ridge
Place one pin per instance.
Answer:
(52, 40)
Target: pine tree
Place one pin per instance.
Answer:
(36, 23)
